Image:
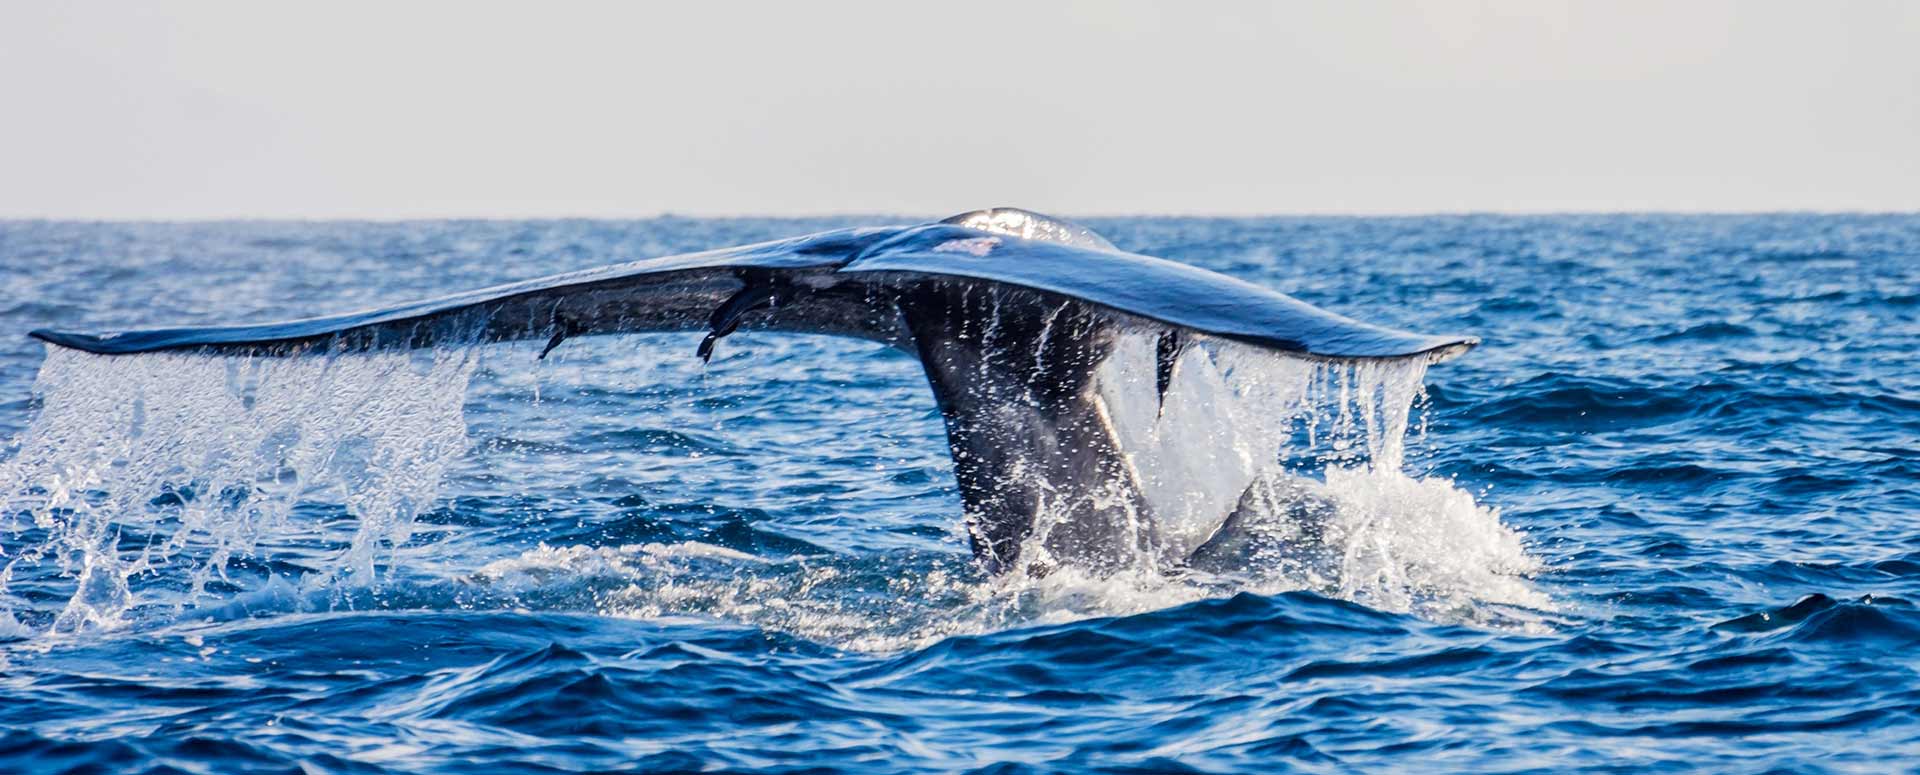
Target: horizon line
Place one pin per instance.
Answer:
(807, 215)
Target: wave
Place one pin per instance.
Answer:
(1819, 619)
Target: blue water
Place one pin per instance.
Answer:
(1704, 431)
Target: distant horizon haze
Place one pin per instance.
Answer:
(359, 111)
(904, 217)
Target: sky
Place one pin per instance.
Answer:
(196, 110)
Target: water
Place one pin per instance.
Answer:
(1661, 520)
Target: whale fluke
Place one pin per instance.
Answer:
(1011, 313)
(760, 291)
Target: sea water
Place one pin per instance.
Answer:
(1660, 520)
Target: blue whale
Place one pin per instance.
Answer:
(963, 295)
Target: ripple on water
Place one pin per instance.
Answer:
(1691, 436)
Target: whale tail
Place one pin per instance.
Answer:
(1021, 322)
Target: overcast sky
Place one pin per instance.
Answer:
(393, 110)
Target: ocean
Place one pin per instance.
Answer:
(1665, 518)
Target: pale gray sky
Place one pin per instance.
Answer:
(392, 110)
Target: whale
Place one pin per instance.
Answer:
(1011, 314)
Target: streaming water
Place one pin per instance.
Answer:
(138, 462)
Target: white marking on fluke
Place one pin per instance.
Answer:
(978, 247)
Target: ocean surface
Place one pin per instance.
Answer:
(1665, 519)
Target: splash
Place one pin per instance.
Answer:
(1271, 473)
(1309, 457)
(138, 462)
(1263, 473)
